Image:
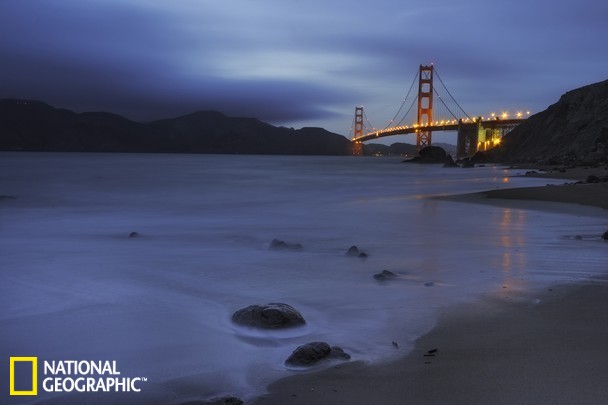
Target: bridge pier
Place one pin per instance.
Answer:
(470, 137)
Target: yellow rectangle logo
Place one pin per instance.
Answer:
(34, 362)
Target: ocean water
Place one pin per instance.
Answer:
(73, 285)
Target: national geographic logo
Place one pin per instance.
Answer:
(69, 376)
(17, 363)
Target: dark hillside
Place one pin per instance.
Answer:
(572, 131)
(36, 126)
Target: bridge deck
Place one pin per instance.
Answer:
(404, 130)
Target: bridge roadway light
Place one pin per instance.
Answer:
(519, 114)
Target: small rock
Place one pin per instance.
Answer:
(593, 179)
(353, 251)
(395, 344)
(384, 275)
(429, 284)
(363, 255)
(605, 235)
(278, 244)
(133, 234)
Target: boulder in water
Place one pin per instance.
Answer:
(430, 154)
(269, 316)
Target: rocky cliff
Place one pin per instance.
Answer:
(572, 131)
(36, 126)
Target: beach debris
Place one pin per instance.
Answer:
(431, 353)
(133, 234)
(313, 352)
(605, 235)
(395, 344)
(269, 316)
(278, 244)
(384, 275)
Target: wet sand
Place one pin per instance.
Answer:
(547, 346)
(513, 350)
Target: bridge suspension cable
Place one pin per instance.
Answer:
(452, 97)
(390, 123)
(407, 112)
(371, 127)
(443, 103)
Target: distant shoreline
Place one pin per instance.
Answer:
(575, 192)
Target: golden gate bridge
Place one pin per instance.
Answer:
(436, 113)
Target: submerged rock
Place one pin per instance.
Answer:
(269, 316)
(278, 244)
(384, 275)
(313, 352)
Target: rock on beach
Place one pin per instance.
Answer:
(313, 352)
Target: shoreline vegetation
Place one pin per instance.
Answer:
(544, 346)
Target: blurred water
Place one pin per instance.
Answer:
(74, 286)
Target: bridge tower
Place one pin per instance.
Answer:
(425, 106)
(358, 132)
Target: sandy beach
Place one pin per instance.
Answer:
(547, 346)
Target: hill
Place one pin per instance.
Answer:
(573, 131)
(36, 126)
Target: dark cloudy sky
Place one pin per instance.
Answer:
(296, 62)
